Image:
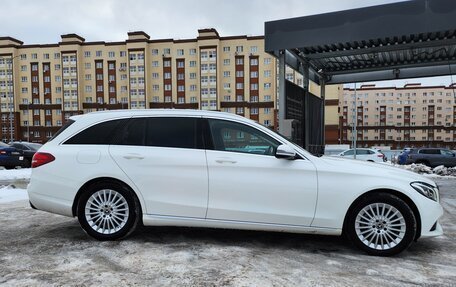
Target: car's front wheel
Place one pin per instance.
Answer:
(381, 224)
(108, 211)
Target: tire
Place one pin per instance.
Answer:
(116, 219)
(377, 223)
(26, 164)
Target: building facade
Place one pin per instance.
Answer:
(409, 116)
(41, 86)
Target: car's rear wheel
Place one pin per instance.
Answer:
(381, 224)
(108, 211)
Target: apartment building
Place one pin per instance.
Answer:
(41, 86)
(409, 116)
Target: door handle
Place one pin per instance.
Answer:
(133, 156)
(225, 160)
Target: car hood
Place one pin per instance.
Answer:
(364, 168)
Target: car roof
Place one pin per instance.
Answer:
(102, 115)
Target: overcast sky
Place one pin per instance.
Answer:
(43, 21)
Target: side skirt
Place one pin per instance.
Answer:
(161, 220)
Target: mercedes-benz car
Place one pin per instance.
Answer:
(114, 170)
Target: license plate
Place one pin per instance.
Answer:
(21, 158)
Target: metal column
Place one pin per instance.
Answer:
(323, 96)
(306, 123)
(281, 94)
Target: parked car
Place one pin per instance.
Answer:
(432, 157)
(366, 154)
(10, 157)
(116, 169)
(28, 149)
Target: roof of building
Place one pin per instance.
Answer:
(393, 41)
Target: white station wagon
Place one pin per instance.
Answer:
(114, 170)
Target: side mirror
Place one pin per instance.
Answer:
(286, 152)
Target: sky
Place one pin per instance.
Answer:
(43, 21)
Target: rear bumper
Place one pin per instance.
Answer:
(48, 195)
(13, 161)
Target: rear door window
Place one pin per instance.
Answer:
(173, 132)
(133, 133)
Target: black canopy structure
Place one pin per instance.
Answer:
(408, 39)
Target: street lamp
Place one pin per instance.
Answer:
(11, 94)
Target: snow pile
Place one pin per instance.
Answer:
(10, 193)
(15, 174)
(423, 169)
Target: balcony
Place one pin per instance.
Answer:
(40, 107)
(247, 104)
(172, 105)
(117, 106)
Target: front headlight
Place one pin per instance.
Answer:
(430, 191)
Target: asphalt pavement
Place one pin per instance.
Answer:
(39, 248)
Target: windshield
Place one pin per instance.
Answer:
(33, 146)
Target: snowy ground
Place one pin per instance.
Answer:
(38, 248)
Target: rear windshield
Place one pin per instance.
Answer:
(64, 127)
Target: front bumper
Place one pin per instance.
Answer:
(430, 213)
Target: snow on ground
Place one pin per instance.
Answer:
(439, 171)
(10, 194)
(15, 174)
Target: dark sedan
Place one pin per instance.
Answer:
(28, 149)
(11, 157)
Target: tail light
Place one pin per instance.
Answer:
(42, 158)
(3, 152)
(380, 155)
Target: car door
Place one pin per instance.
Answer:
(165, 159)
(363, 154)
(248, 183)
(448, 158)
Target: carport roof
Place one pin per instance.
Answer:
(394, 41)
